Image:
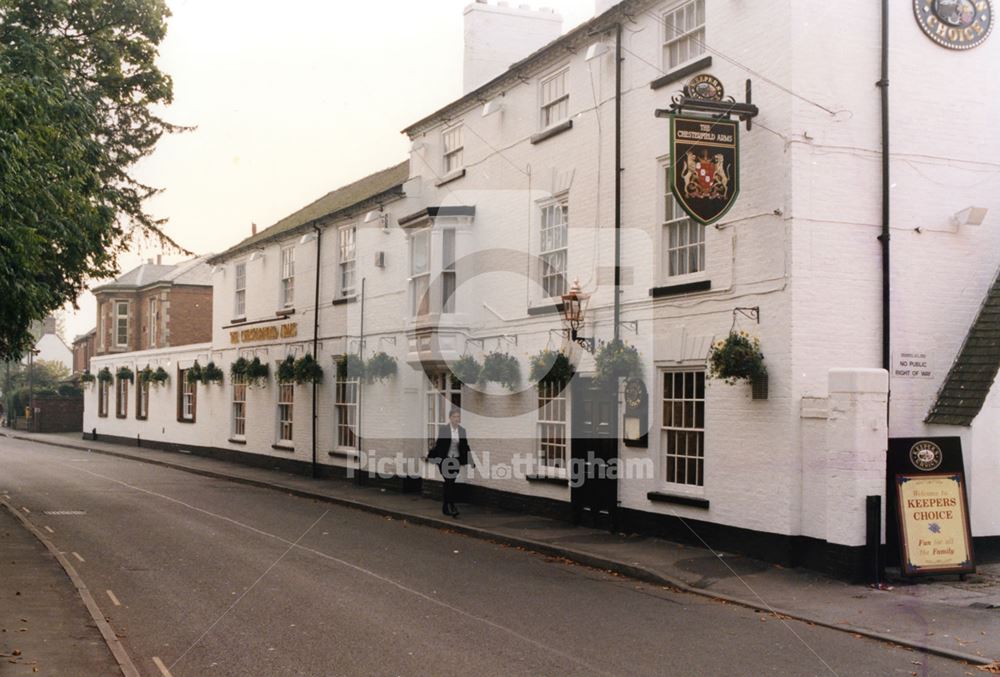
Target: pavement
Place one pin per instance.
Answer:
(946, 617)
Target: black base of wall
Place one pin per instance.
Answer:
(840, 561)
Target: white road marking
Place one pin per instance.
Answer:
(114, 600)
(77, 555)
(48, 529)
(163, 668)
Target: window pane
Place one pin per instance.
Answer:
(682, 427)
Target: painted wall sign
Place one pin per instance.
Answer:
(704, 165)
(911, 364)
(270, 333)
(934, 524)
(955, 24)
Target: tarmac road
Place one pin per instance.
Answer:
(201, 576)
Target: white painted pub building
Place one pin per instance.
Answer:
(509, 195)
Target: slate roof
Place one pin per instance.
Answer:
(192, 272)
(971, 377)
(389, 180)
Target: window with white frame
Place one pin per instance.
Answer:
(187, 398)
(287, 277)
(448, 281)
(683, 240)
(347, 253)
(443, 393)
(552, 419)
(451, 140)
(420, 272)
(555, 98)
(346, 406)
(141, 396)
(239, 425)
(151, 324)
(121, 324)
(103, 392)
(553, 247)
(683, 34)
(286, 407)
(121, 397)
(682, 430)
(240, 290)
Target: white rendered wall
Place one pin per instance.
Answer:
(497, 35)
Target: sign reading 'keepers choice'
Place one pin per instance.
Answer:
(934, 517)
(704, 165)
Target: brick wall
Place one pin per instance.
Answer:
(188, 313)
(59, 414)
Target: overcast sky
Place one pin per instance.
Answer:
(290, 101)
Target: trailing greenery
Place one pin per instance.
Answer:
(736, 358)
(380, 366)
(159, 377)
(87, 377)
(466, 370)
(502, 368)
(614, 360)
(257, 372)
(125, 374)
(308, 370)
(286, 370)
(238, 369)
(79, 91)
(194, 374)
(211, 374)
(146, 374)
(350, 366)
(551, 366)
(104, 375)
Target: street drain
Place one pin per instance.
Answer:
(64, 512)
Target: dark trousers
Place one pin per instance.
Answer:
(449, 468)
(448, 494)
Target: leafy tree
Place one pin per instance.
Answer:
(78, 84)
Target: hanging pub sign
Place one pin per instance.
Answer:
(955, 24)
(704, 165)
(932, 511)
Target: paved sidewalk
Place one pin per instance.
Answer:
(947, 617)
(44, 626)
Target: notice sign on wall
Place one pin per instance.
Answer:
(934, 524)
(911, 364)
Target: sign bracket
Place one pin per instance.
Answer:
(725, 108)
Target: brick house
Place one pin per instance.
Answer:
(84, 347)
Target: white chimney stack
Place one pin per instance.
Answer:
(496, 36)
(602, 6)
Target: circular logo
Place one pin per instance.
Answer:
(925, 455)
(955, 24)
(705, 87)
(635, 394)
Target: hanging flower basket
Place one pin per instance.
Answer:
(380, 367)
(238, 369)
(466, 370)
(286, 370)
(146, 374)
(125, 374)
(350, 367)
(87, 377)
(551, 366)
(615, 360)
(211, 374)
(159, 377)
(308, 370)
(194, 373)
(104, 375)
(502, 368)
(737, 358)
(257, 372)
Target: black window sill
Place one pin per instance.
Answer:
(343, 300)
(282, 447)
(681, 73)
(238, 320)
(284, 312)
(235, 441)
(185, 420)
(141, 418)
(678, 289)
(548, 479)
(336, 453)
(546, 310)
(552, 131)
(678, 499)
(448, 178)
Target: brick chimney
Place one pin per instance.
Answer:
(497, 35)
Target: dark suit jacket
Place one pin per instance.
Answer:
(443, 444)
